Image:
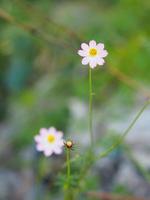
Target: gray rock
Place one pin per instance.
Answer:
(15, 185)
(129, 177)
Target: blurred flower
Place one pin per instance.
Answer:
(93, 53)
(49, 141)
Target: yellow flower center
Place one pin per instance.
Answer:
(51, 138)
(93, 52)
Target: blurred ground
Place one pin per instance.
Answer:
(42, 84)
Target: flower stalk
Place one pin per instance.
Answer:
(90, 110)
(68, 166)
(120, 140)
(68, 190)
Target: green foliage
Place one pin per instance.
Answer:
(120, 189)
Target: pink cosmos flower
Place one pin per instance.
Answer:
(49, 141)
(92, 54)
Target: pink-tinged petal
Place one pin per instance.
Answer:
(48, 148)
(82, 53)
(92, 43)
(103, 53)
(39, 147)
(58, 150)
(84, 46)
(60, 143)
(93, 63)
(48, 152)
(85, 61)
(37, 138)
(43, 131)
(100, 46)
(59, 134)
(52, 130)
(100, 61)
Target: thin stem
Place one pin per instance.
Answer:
(120, 140)
(68, 165)
(68, 193)
(138, 165)
(115, 145)
(90, 110)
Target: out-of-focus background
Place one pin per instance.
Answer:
(43, 84)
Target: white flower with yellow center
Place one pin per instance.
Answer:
(49, 141)
(92, 54)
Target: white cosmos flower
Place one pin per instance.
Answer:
(49, 141)
(92, 54)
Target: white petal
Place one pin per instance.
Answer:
(60, 143)
(93, 63)
(92, 43)
(37, 138)
(52, 130)
(103, 53)
(100, 46)
(82, 53)
(59, 135)
(85, 61)
(48, 152)
(100, 61)
(43, 131)
(39, 147)
(84, 46)
(58, 150)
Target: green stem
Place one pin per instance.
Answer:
(115, 145)
(68, 194)
(90, 109)
(68, 165)
(138, 165)
(120, 140)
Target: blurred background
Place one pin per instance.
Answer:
(43, 84)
